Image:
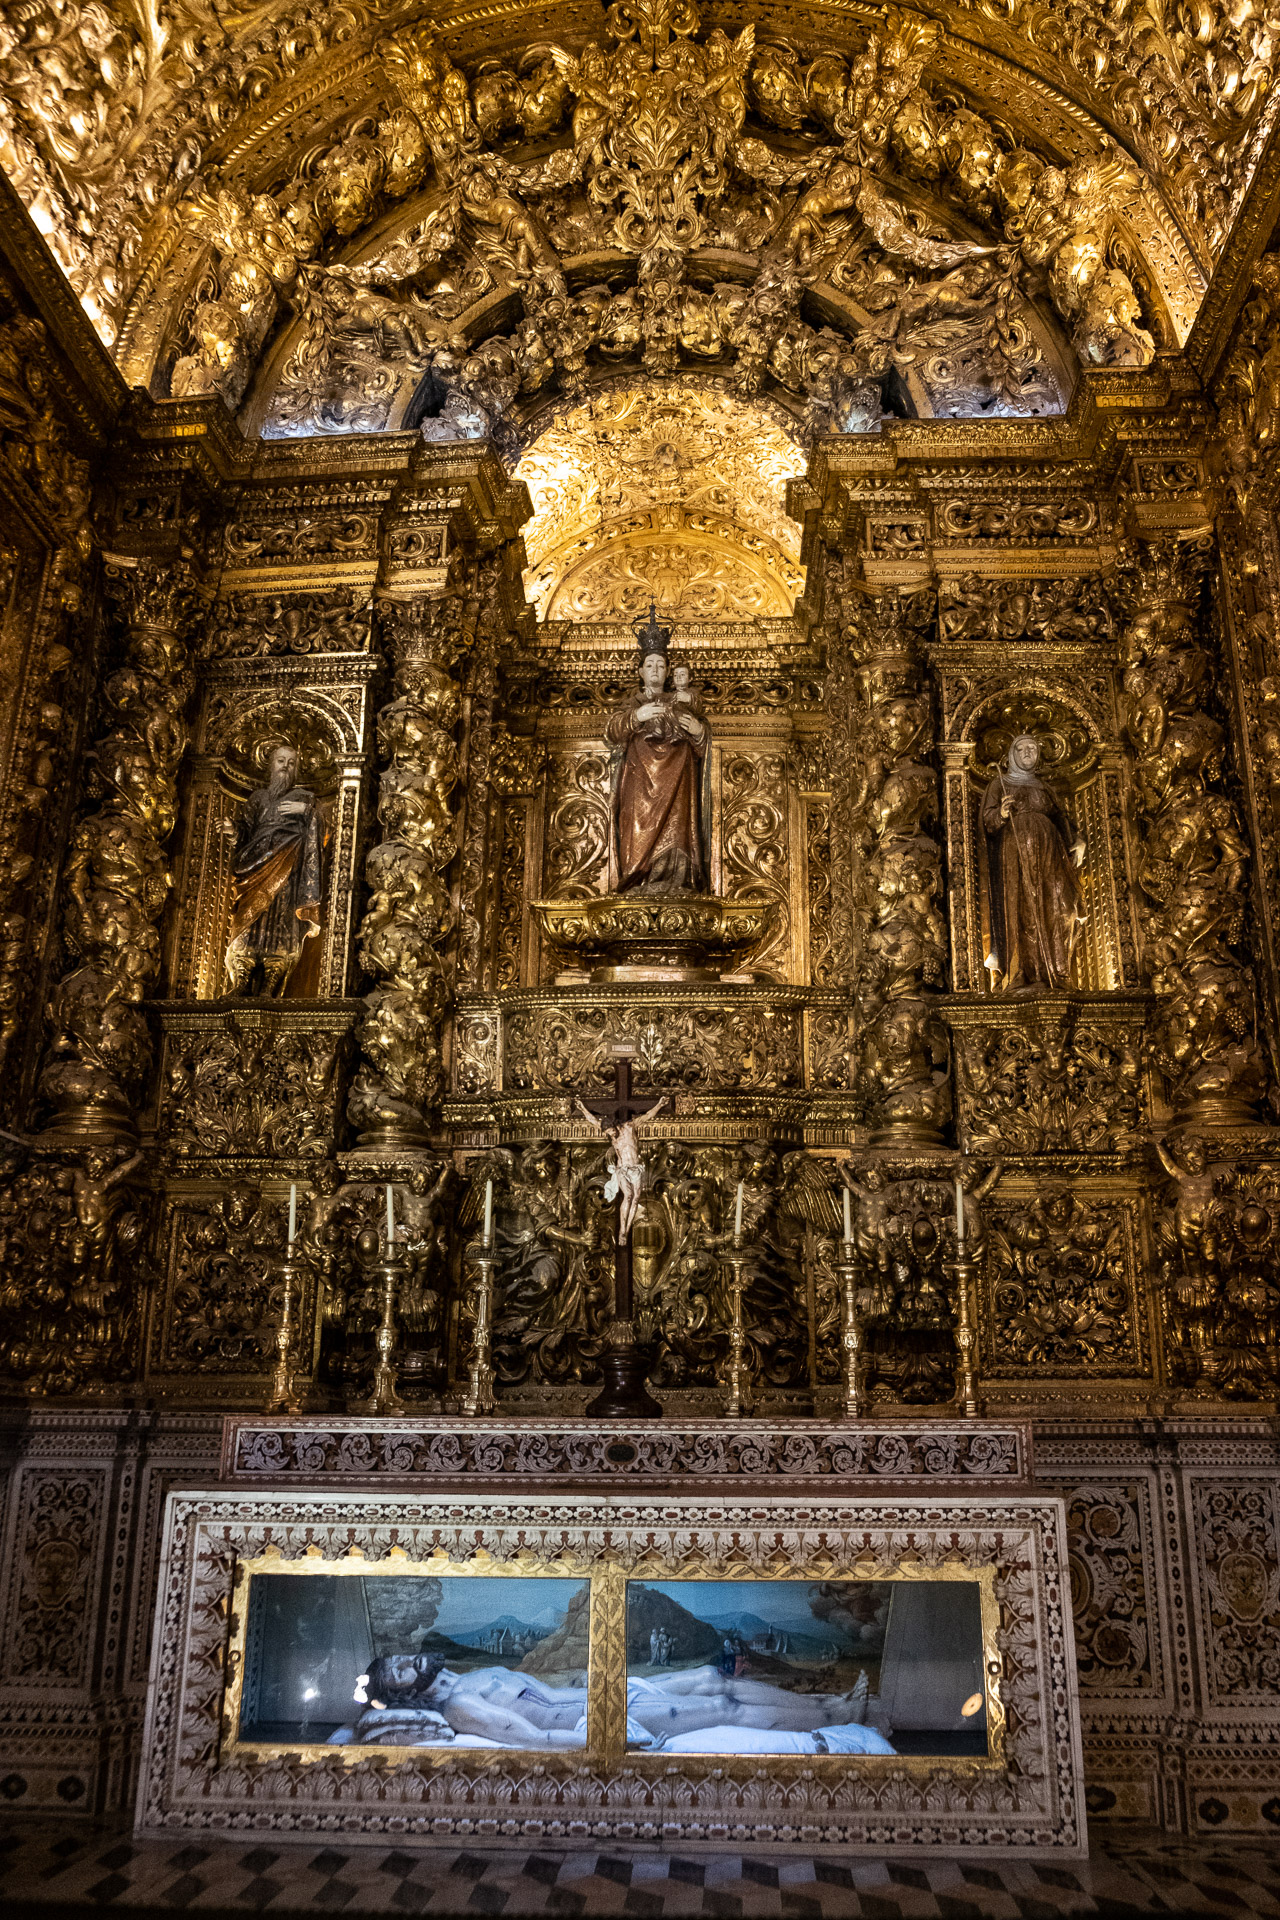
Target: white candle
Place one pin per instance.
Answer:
(737, 1215)
(488, 1211)
(848, 1216)
(959, 1211)
(293, 1212)
(391, 1217)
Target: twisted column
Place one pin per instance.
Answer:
(1193, 856)
(410, 912)
(117, 876)
(903, 1072)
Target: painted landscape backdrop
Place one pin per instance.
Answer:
(806, 1635)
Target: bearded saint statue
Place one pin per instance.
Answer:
(1032, 862)
(659, 791)
(277, 865)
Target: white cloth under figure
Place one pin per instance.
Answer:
(851, 1739)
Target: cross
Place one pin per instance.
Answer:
(624, 1106)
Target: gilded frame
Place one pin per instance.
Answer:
(607, 1662)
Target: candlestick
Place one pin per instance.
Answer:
(853, 1335)
(848, 1216)
(391, 1218)
(281, 1396)
(384, 1398)
(293, 1212)
(479, 1395)
(737, 1214)
(959, 1211)
(738, 1373)
(488, 1211)
(961, 1270)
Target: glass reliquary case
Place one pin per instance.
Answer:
(340, 1658)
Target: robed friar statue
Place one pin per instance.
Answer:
(659, 789)
(1032, 862)
(277, 866)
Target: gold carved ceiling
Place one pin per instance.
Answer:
(670, 491)
(330, 213)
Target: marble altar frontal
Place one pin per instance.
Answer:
(756, 1644)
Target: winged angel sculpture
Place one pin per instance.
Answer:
(661, 171)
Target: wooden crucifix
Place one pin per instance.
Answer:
(626, 1175)
(624, 1395)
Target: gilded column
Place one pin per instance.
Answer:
(840, 702)
(410, 912)
(117, 875)
(1192, 857)
(903, 1072)
(478, 825)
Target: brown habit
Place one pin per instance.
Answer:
(1035, 894)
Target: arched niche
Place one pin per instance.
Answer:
(1082, 761)
(235, 738)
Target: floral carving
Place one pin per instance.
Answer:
(409, 909)
(903, 1071)
(576, 859)
(1238, 1548)
(1061, 1283)
(1052, 1076)
(224, 1254)
(974, 608)
(1111, 1598)
(748, 1046)
(57, 1548)
(1193, 858)
(248, 626)
(253, 1084)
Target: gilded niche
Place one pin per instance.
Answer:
(671, 492)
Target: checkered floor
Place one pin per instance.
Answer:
(46, 1865)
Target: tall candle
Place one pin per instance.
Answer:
(848, 1216)
(488, 1211)
(391, 1217)
(959, 1211)
(293, 1212)
(737, 1215)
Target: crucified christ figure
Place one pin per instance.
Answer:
(626, 1169)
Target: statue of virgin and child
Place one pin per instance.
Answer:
(414, 1699)
(659, 785)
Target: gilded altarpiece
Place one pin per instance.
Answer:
(1063, 531)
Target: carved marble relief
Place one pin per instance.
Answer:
(1113, 1590)
(1237, 1536)
(54, 1578)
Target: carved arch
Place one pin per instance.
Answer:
(995, 197)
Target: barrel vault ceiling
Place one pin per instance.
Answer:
(507, 219)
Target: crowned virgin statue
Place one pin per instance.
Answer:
(658, 789)
(1032, 861)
